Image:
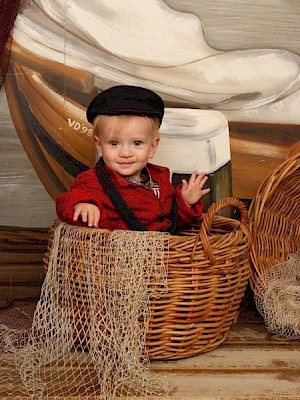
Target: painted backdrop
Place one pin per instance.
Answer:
(238, 60)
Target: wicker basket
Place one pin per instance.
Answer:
(208, 271)
(275, 218)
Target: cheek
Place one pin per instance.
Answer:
(108, 152)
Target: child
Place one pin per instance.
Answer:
(123, 186)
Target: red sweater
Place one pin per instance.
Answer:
(152, 211)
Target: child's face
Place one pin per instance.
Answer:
(127, 148)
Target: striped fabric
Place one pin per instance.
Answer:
(146, 181)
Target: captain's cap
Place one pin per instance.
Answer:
(126, 100)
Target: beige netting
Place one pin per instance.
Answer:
(277, 297)
(88, 336)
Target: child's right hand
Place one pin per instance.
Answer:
(88, 212)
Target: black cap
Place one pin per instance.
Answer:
(126, 100)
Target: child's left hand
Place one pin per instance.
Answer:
(192, 191)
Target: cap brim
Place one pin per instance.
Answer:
(122, 107)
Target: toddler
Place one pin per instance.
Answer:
(124, 190)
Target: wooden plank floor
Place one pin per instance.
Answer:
(251, 364)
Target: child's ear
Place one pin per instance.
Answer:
(98, 145)
(154, 146)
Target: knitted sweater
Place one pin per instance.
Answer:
(152, 211)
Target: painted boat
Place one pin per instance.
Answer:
(51, 127)
(47, 101)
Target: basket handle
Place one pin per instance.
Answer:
(207, 221)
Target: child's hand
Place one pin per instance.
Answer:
(88, 212)
(192, 191)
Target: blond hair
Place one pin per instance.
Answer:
(120, 121)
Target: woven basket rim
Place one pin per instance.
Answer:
(265, 195)
(206, 223)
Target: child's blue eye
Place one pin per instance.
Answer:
(137, 142)
(113, 143)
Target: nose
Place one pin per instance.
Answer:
(125, 151)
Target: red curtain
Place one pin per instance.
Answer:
(9, 9)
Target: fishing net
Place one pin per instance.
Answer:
(88, 335)
(277, 297)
